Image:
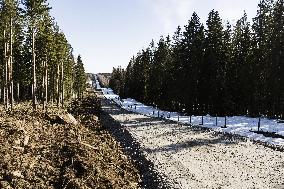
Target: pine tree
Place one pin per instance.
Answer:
(80, 78)
(213, 69)
(32, 47)
(241, 83)
(34, 10)
(128, 79)
(261, 48)
(10, 14)
(275, 83)
(220, 71)
(177, 69)
(229, 103)
(116, 81)
(157, 74)
(137, 82)
(145, 69)
(194, 55)
(44, 46)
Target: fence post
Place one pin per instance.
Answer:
(216, 120)
(258, 124)
(202, 121)
(158, 113)
(225, 121)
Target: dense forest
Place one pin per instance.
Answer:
(215, 68)
(36, 60)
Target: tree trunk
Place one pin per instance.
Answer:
(62, 85)
(3, 94)
(52, 93)
(34, 72)
(6, 97)
(11, 66)
(45, 86)
(18, 91)
(57, 86)
(42, 83)
(4, 71)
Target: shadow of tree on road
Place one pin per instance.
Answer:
(176, 147)
(149, 177)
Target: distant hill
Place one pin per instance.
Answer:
(104, 79)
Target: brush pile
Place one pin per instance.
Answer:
(36, 152)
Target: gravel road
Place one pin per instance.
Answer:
(180, 156)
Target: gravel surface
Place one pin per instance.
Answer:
(192, 157)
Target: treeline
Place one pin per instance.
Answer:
(213, 69)
(36, 60)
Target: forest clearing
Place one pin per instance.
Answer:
(40, 152)
(201, 107)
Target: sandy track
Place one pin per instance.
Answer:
(191, 157)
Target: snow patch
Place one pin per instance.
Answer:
(240, 125)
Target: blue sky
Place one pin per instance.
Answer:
(107, 33)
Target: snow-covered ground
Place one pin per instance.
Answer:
(98, 86)
(240, 125)
(190, 157)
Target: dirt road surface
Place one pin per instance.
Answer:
(191, 157)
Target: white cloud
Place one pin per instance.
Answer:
(172, 13)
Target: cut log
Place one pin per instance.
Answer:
(61, 119)
(88, 145)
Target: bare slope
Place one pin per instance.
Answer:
(34, 153)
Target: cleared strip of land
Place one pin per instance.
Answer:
(192, 157)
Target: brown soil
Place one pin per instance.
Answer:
(35, 153)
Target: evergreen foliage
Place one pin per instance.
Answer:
(213, 69)
(80, 78)
(36, 59)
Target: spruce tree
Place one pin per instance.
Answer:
(194, 55)
(261, 47)
(275, 82)
(158, 73)
(177, 69)
(241, 70)
(213, 69)
(80, 78)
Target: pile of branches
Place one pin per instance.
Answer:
(86, 106)
(38, 153)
